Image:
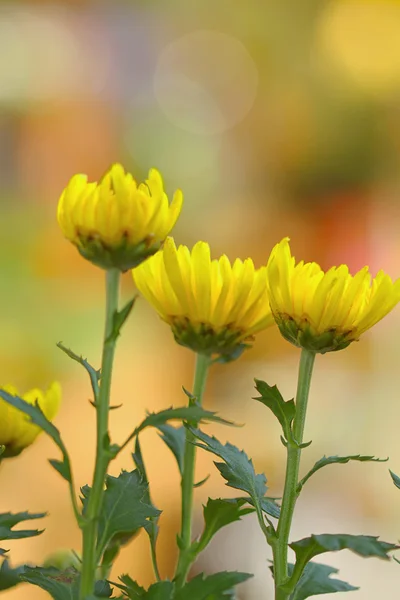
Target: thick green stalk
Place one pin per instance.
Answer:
(92, 511)
(187, 482)
(292, 474)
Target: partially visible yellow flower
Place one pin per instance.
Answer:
(16, 431)
(211, 306)
(323, 312)
(117, 223)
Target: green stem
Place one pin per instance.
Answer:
(92, 511)
(185, 555)
(292, 474)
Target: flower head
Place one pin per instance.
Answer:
(16, 431)
(323, 312)
(211, 306)
(117, 223)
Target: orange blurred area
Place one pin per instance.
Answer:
(276, 119)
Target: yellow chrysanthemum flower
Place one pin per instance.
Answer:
(117, 223)
(211, 306)
(16, 431)
(323, 312)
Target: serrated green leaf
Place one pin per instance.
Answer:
(61, 467)
(119, 318)
(151, 526)
(38, 418)
(10, 577)
(124, 508)
(61, 585)
(395, 478)
(211, 587)
(219, 513)
(268, 505)
(331, 460)
(94, 374)
(163, 590)
(130, 587)
(174, 438)
(193, 414)
(102, 589)
(363, 545)
(9, 520)
(237, 468)
(272, 399)
(316, 580)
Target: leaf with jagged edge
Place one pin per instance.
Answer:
(363, 545)
(219, 513)
(151, 526)
(193, 414)
(237, 469)
(331, 460)
(272, 399)
(211, 587)
(174, 438)
(37, 417)
(9, 520)
(9, 576)
(162, 590)
(124, 508)
(316, 580)
(61, 585)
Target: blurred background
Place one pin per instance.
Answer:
(276, 119)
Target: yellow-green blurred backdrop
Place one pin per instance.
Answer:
(276, 118)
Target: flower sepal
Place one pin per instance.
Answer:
(303, 336)
(122, 257)
(203, 339)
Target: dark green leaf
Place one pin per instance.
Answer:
(151, 525)
(396, 479)
(237, 468)
(124, 507)
(221, 512)
(193, 413)
(163, 590)
(268, 505)
(175, 438)
(119, 318)
(93, 373)
(283, 411)
(331, 460)
(212, 587)
(9, 520)
(130, 587)
(363, 545)
(316, 580)
(38, 418)
(10, 577)
(61, 585)
(102, 589)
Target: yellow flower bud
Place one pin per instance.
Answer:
(211, 306)
(16, 431)
(323, 312)
(117, 223)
